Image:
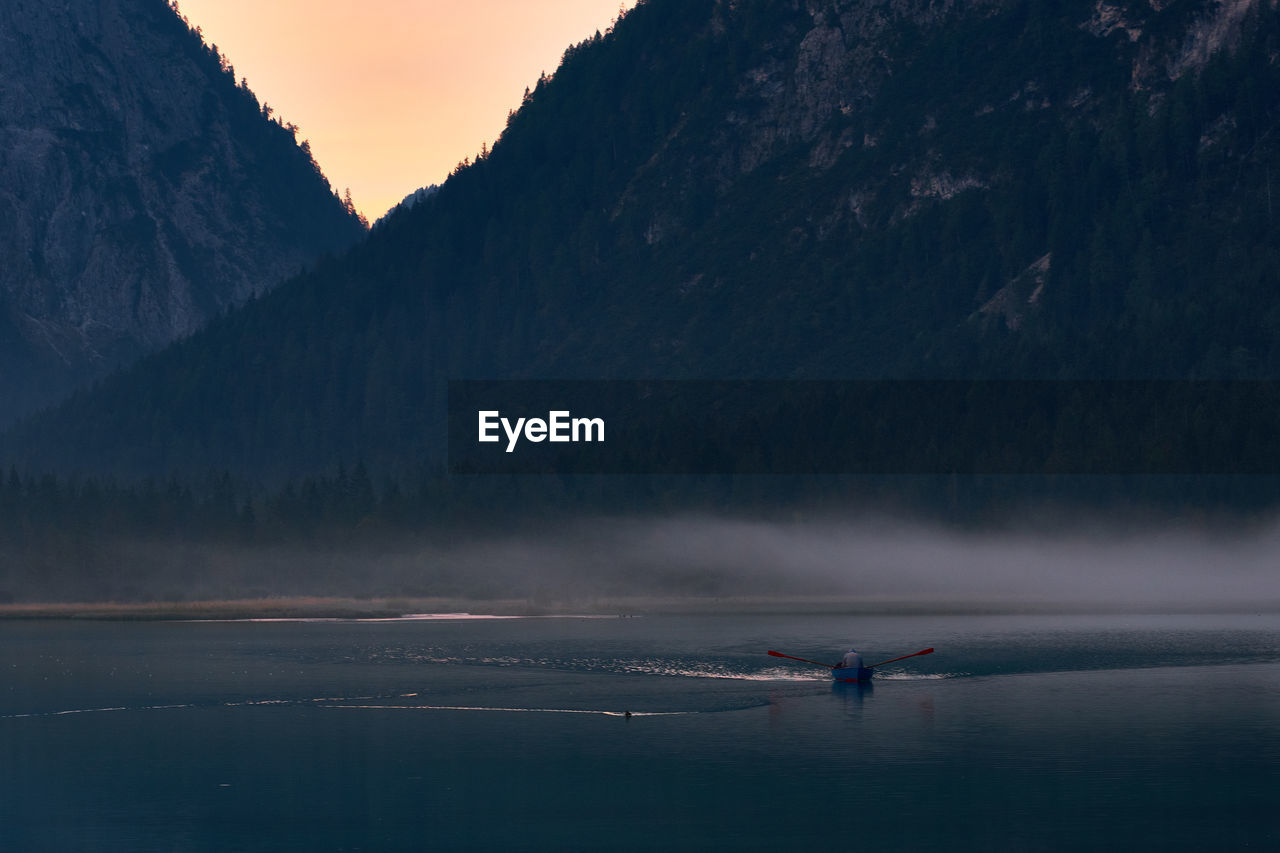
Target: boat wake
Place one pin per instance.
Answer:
(247, 703)
(675, 670)
(667, 667)
(512, 710)
(345, 703)
(91, 711)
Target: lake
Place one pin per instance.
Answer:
(1018, 733)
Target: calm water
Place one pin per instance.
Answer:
(1019, 733)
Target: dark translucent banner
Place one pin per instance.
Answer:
(864, 427)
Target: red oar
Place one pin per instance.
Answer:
(904, 657)
(804, 660)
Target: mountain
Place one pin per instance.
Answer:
(836, 188)
(142, 191)
(410, 200)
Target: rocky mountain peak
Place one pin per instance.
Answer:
(142, 191)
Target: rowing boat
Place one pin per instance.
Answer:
(851, 674)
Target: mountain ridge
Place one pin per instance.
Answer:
(143, 190)
(720, 190)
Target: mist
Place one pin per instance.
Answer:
(887, 562)
(868, 564)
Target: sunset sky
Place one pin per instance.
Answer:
(393, 93)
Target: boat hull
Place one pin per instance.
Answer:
(851, 675)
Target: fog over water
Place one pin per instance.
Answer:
(894, 561)
(875, 562)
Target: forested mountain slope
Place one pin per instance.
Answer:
(143, 191)
(841, 188)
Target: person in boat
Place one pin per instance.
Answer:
(853, 660)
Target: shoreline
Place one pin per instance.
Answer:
(399, 607)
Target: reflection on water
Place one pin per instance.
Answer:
(852, 695)
(302, 736)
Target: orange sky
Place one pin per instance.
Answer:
(393, 93)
